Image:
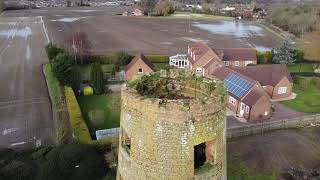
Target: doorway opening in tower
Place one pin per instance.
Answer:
(199, 155)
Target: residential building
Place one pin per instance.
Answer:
(246, 97)
(138, 67)
(274, 78)
(179, 61)
(202, 59)
(237, 57)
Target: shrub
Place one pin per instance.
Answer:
(88, 91)
(52, 51)
(96, 78)
(164, 8)
(61, 67)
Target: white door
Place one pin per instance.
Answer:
(242, 108)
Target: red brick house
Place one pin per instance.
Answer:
(138, 67)
(202, 59)
(246, 99)
(237, 57)
(274, 78)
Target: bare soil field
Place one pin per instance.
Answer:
(25, 112)
(111, 33)
(277, 151)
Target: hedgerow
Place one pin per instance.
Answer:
(79, 127)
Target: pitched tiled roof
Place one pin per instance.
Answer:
(236, 54)
(270, 74)
(143, 58)
(222, 72)
(252, 97)
(199, 48)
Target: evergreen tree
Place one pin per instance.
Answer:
(285, 53)
(96, 78)
(61, 67)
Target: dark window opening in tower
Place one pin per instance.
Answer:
(199, 155)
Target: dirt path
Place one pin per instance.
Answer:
(25, 112)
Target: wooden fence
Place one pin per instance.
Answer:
(260, 128)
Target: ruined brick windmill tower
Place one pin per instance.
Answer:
(181, 138)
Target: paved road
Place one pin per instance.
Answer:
(25, 112)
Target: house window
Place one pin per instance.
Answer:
(140, 71)
(236, 63)
(247, 109)
(226, 63)
(282, 90)
(199, 70)
(248, 62)
(266, 113)
(232, 100)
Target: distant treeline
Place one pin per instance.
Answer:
(297, 19)
(236, 1)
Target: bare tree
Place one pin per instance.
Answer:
(78, 46)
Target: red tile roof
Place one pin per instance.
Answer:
(236, 54)
(143, 58)
(270, 74)
(252, 97)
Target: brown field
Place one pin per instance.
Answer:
(310, 44)
(25, 112)
(111, 33)
(277, 151)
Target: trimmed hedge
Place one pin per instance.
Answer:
(78, 125)
(158, 58)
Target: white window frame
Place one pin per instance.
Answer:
(226, 63)
(232, 100)
(282, 90)
(247, 109)
(139, 71)
(248, 62)
(266, 113)
(236, 63)
(199, 70)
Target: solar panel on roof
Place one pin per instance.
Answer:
(237, 85)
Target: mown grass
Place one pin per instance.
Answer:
(160, 66)
(308, 96)
(78, 125)
(86, 69)
(294, 68)
(242, 172)
(108, 108)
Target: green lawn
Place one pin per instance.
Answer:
(308, 98)
(101, 111)
(160, 66)
(293, 68)
(106, 68)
